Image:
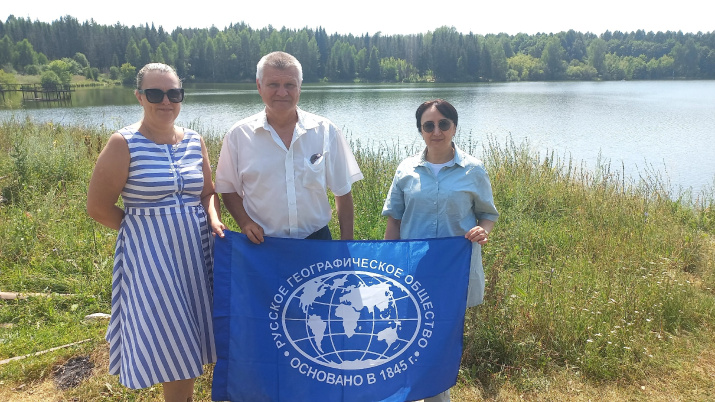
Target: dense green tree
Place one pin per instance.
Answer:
(525, 67)
(7, 50)
(636, 67)
(305, 49)
(151, 35)
(114, 73)
(397, 70)
(687, 59)
(361, 59)
(552, 58)
(527, 44)
(62, 70)
(171, 50)
(159, 56)
(222, 57)
(25, 54)
(42, 59)
(73, 67)
(497, 57)
(81, 59)
(274, 42)
(50, 80)
(485, 62)
(165, 53)
(145, 52)
(372, 72)
(198, 54)
(445, 53)
(209, 60)
(323, 42)
(579, 71)
(707, 63)
(388, 69)
(33, 69)
(91, 73)
(128, 74)
(341, 64)
(597, 55)
(131, 55)
(506, 43)
(574, 45)
(614, 68)
(662, 68)
(253, 55)
(468, 61)
(182, 56)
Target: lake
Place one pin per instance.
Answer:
(639, 127)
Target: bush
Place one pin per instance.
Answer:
(7, 78)
(50, 80)
(114, 72)
(91, 73)
(73, 66)
(129, 74)
(33, 69)
(62, 69)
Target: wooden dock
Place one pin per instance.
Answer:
(36, 92)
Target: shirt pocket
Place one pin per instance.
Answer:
(458, 204)
(314, 173)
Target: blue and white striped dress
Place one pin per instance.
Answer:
(162, 286)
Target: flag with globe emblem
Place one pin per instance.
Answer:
(312, 320)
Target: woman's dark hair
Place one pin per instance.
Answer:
(442, 105)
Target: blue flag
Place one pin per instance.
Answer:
(314, 320)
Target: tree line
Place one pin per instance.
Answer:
(442, 55)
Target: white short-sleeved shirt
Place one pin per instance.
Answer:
(285, 190)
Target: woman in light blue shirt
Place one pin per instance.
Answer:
(442, 192)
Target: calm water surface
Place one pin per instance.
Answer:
(666, 127)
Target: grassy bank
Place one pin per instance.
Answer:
(594, 284)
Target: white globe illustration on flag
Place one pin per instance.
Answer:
(351, 320)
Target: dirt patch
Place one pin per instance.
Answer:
(73, 372)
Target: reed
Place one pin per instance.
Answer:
(586, 270)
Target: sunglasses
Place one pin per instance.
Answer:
(157, 95)
(444, 125)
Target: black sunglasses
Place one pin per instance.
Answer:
(153, 95)
(444, 125)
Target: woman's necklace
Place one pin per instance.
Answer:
(175, 145)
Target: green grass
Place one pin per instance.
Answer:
(585, 271)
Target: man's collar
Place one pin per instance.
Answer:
(306, 120)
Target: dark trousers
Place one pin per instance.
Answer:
(321, 234)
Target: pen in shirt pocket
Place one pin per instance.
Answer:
(315, 157)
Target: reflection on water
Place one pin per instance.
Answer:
(667, 126)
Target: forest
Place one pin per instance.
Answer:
(67, 45)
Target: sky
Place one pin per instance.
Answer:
(390, 17)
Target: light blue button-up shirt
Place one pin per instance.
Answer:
(443, 205)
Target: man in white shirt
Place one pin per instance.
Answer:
(276, 166)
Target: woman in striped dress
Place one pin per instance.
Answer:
(160, 329)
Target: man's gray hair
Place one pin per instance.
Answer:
(159, 67)
(281, 61)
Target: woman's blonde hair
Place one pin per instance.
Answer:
(159, 67)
